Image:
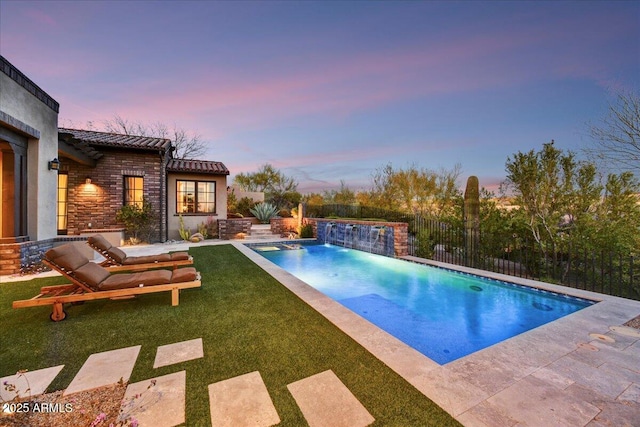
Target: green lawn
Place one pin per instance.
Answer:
(247, 321)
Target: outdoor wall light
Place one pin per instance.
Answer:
(54, 164)
(87, 181)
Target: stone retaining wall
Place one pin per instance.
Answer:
(234, 228)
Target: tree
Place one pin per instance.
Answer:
(278, 188)
(564, 203)
(186, 145)
(414, 190)
(343, 196)
(617, 137)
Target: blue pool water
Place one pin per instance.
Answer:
(441, 313)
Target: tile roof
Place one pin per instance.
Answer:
(104, 139)
(197, 166)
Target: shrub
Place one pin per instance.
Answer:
(212, 227)
(244, 206)
(137, 219)
(185, 233)
(306, 231)
(264, 212)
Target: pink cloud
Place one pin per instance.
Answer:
(39, 18)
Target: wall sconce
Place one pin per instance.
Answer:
(87, 181)
(54, 164)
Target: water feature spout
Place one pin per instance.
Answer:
(349, 234)
(327, 232)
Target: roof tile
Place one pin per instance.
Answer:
(105, 139)
(197, 166)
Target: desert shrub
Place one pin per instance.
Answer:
(244, 206)
(264, 212)
(306, 231)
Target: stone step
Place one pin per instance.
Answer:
(325, 401)
(104, 368)
(242, 401)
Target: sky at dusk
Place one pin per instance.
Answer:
(331, 91)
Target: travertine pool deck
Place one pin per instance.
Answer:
(581, 370)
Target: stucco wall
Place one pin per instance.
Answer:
(20, 104)
(191, 221)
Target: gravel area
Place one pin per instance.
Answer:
(79, 409)
(634, 323)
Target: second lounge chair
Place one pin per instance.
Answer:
(117, 260)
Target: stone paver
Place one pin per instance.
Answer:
(534, 403)
(157, 402)
(325, 401)
(104, 368)
(242, 401)
(178, 352)
(30, 383)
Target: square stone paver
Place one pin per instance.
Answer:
(242, 401)
(535, 402)
(178, 352)
(157, 402)
(325, 401)
(104, 368)
(30, 383)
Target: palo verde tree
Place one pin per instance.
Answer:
(546, 187)
(415, 190)
(278, 188)
(563, 202)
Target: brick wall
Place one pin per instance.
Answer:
(234, 228)
(95, 205)
(282, 225)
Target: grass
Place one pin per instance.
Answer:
(248, 322)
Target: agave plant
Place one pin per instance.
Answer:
(264, 212)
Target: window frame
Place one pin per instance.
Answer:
(62, 204)
(197, 195)
(126, 190)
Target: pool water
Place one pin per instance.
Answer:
(441, 313)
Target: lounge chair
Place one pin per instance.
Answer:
(117, 260)
(91, 281)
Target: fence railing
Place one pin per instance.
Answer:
(598, 271)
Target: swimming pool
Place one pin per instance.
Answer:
(441, 313)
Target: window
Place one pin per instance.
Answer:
(61, 215)
(195, 197)
(133, 190)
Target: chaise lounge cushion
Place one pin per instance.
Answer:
(99, 242)
(92, 274)
(147, 259)
(66, 257)
(134, 280)
(187, 274)
(179, 256)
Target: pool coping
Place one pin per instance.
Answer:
(501, 384)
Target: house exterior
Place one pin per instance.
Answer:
(28, 144)
(59, 184)
(100, 172)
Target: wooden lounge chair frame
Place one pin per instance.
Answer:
(78, 291)
(112, 264)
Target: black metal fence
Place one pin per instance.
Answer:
(598, 271)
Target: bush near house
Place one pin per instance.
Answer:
(137, 220)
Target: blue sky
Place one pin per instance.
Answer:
(330, 91)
